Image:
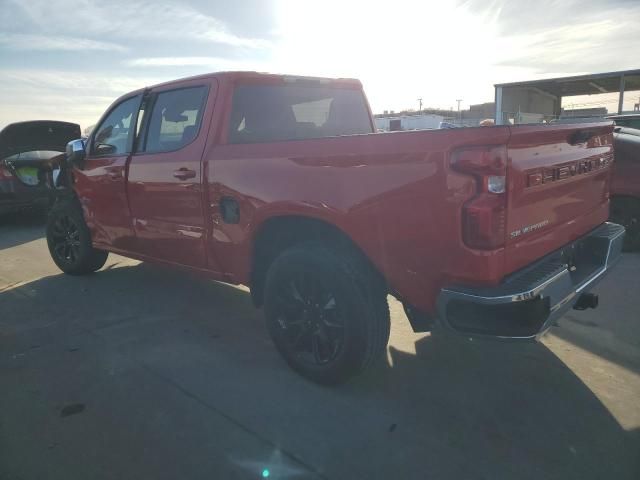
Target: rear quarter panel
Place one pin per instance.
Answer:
(392, 194)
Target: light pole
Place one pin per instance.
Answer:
(459, 117)
(420, 105)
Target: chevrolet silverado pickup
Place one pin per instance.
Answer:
(281, 183)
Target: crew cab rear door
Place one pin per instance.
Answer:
(165, 176)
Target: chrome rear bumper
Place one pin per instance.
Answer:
(529, 301)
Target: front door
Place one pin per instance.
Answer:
(165, 174)
(101, 184)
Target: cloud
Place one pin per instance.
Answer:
(570, 36)
(590, 47)
(26, 41)
(31, 94)
(438, 51)
(526, 16)
(175, 23)
(175, 61)
(214, 63)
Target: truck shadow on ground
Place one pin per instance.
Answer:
(439, 407)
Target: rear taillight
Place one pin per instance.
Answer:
(484, 216)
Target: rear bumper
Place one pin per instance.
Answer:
(529, 301)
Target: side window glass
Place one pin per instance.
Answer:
(112, 135)
(175, 119)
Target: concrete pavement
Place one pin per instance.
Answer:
(140, 372)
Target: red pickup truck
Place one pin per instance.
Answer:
(281, 183)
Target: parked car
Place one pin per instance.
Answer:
(630, 120)
(29, 151)
(281, 183)
(625, 185)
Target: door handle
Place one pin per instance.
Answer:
(184, 173)
(115, 174)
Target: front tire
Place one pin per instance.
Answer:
(326, 313)
(69, 241)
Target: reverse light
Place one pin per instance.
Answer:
(484, 216)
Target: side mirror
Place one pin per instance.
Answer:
(76, 153)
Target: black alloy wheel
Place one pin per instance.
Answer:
(311, 322)
(65, 237)
(326, 312)
(69, 240)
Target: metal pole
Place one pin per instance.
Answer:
(499, 115)
(459, 117)
(621, 97)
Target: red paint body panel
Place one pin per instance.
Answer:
(101, 189)
(167, 211)
(393, 194)
(574, 198)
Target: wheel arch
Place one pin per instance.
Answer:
(280, 232)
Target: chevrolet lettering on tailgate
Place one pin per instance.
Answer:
(562, 172)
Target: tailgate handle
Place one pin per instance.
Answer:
(581, 136)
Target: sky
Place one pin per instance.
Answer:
(69, 59)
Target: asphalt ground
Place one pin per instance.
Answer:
(141, 372)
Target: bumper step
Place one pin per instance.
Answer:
(529, 301)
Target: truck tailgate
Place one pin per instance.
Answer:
(558, 187)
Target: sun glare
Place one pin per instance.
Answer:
(419, 47)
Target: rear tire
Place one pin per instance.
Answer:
(69, 241)
(626, 212)
(326, 312)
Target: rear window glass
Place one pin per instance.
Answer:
(271, 113)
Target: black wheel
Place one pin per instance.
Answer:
(626, 212)
(325, 312)
(69, 241)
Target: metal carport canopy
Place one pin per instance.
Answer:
(556, 88)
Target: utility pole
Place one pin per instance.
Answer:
(459, 117)
(420, 103)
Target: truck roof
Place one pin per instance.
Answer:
(233, 76)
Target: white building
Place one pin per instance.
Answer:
(408, 122)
